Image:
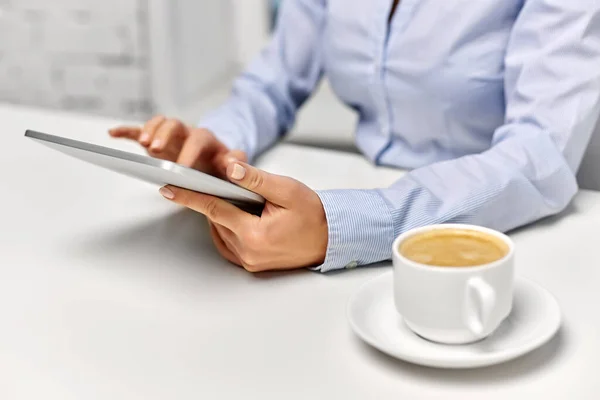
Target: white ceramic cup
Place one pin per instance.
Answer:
(453, 305)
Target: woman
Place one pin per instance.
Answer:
(491, 103)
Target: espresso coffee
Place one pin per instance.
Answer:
(453, 248)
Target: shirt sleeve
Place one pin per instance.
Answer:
(265, 98)
(552, 91)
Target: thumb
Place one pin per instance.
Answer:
(235, 155)
(275, 188)
(229, 157)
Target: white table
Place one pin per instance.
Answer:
(107, 291)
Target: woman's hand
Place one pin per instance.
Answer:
(291, 233)
(172, 140)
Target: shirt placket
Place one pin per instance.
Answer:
(379, 92)
(386, 30)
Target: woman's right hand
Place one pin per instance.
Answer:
(172, 140)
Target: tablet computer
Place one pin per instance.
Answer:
(152, 170)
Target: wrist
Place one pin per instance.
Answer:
(360, 228)
(227, 134)
(322, 233)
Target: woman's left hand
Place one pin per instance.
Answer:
(291, 233)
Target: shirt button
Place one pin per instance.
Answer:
(352, 264)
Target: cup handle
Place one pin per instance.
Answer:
(479, 302)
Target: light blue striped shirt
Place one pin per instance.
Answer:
(490, 103)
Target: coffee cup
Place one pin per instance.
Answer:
(453, 283)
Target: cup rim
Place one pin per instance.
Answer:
(415, 231)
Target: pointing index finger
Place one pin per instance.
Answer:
(129, 132)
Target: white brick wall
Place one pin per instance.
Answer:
(86, 55)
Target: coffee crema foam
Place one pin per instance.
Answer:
(453, 247)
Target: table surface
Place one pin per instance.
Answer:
(107, 291)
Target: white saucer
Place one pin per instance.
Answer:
(534, 319)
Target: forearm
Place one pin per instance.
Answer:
(508, 186)
(265, 98)
(247, 121)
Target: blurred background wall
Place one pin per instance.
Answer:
(131, 59)
(84, 55)
(124, 57)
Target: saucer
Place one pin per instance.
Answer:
(534, 319)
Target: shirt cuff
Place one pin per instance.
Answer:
(361, 228)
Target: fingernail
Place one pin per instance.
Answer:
(144, 137)
(238, 172)
(231, 160)
(156, 144)
(167, 194)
